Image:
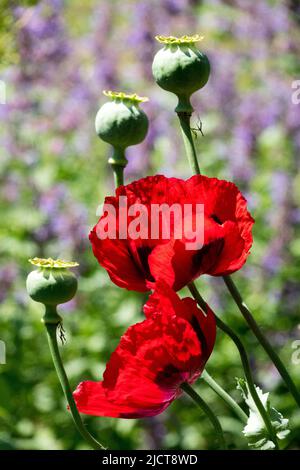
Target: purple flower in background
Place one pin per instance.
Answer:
(279, 219)
(8, 275)
(280, 188)
(42, 40)
(64, 221)
(104, 54)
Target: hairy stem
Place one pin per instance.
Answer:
(118, 172)
(224, 395)
(245, 362)
(209, 413)
(261, 337)
(118, 162)
(184, 119)
(51, 327)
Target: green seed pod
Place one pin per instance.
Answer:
(52, 283)
(181, 68)
(121, 122)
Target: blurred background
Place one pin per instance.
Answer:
(56, 58)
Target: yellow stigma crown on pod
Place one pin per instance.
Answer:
(52, 263)
(119, 95)
(179, 40)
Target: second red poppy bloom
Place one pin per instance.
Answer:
(154, 357)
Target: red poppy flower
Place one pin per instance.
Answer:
(154, 357)
(137, 263)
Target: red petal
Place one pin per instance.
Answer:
(91, 399)
(166, 302)
(114, 256)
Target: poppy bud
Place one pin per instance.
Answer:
(52, 283)
(181, 68)
(121, 123)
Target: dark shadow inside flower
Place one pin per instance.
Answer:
(216, 219)
(140, 256)
(168, 375)
(205, 259)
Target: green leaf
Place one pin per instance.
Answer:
(255, 430)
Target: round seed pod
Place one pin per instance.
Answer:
(52, 283)
(179, 67)
(121, 122)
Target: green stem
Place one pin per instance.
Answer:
(192, 157)
(261, 337)
(224, 395)
(209, 413)
(118, 162)
(51, 321)
(184, 119)
(245, 362)
(118, 172)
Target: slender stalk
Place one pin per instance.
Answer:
(224, 395)
(118, 172)
(209, 413)
(245, 362)
(118, 162)
(261, 337)
(185, 125)
(51, 321)
(184, 119)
